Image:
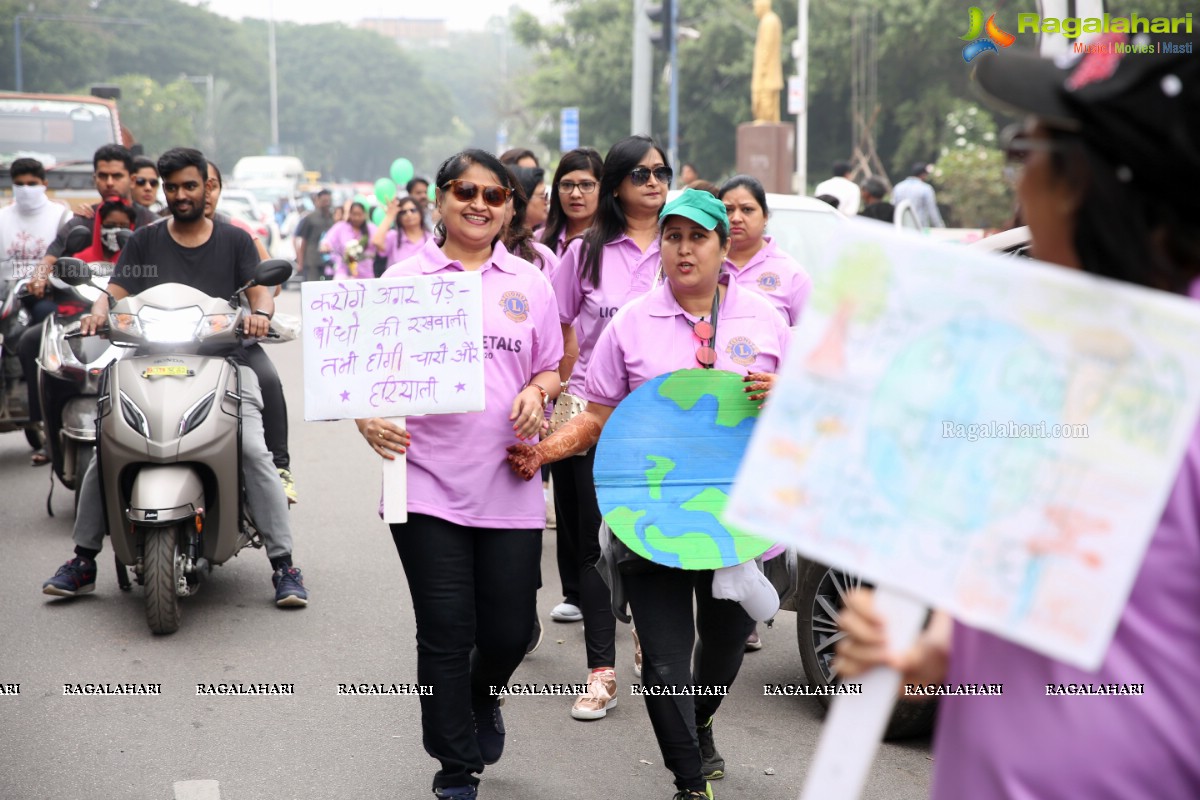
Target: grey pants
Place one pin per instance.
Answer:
(264, 491)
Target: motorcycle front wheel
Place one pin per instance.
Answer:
(162, 568)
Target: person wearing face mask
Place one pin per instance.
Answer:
(113, 216)
(27, 228)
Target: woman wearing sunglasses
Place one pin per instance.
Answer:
(690, 320)
(611, 264)
(1103, 193)
(472, 542)
(401, 233)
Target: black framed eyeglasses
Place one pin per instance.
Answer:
(640, 176)
(584, 187)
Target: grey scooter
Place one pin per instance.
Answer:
(169, 443)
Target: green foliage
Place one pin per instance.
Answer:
(970, 171)
(163, 116)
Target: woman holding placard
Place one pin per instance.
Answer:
(472, 542)
(696, 317)
(1108, 194)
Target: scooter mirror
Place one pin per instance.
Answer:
(272, 272)
(78, 238)
(72, 271)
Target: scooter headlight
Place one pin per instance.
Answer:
(134, 416)
(169, 326)
(125, 323)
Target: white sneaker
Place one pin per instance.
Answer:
(601, 695)
(566, 612)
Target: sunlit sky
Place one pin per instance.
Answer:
(459, 14)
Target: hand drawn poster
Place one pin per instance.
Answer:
(393, 346)
(992, 435)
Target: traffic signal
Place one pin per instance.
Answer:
(661, 34)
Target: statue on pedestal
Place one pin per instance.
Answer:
(766, 81)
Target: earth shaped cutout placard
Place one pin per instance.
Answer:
(665, 465)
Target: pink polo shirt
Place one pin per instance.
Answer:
(550, 260)
(650, 337)
(397, 246)
(778, 277)
(457, 464)
(625, 273)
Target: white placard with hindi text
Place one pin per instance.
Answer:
(393, 347)
(991, 435)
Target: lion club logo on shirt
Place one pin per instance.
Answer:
(768, 281)
(742, 351)
(516, 306)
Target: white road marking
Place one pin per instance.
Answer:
(197, 790)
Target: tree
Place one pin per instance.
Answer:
(161, 117)
(970, 172)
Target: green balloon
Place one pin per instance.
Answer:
(385, 190)
(402, 171)
(377, 215)
(432, 193)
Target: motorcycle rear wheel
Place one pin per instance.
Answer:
(160, 565)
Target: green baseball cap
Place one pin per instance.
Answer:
(699, 206)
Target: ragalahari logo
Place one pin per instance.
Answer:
(979, 44)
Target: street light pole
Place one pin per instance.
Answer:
(643, 57)
(801, 56)
(274, 82)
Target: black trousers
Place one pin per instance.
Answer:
(473, 593)
(576, 506)
(28, 347)
(275, 421)
(564, 534)
(660, 599)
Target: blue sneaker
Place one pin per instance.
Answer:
(76, 577)
(456, 793)
(489, 733)
(289, 588)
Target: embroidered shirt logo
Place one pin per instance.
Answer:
(769, 281)
(742, 351)
(516, 306)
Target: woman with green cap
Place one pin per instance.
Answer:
(696, 317)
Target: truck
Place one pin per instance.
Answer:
(63, 132)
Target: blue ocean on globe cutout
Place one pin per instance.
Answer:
(665, 465)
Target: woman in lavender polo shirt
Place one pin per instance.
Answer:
(1108, 193)
(355, 228)
(400, 234)
(472, 542)
(611, 264)
(755, 260)
(654, 334)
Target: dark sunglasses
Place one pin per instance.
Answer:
(143, 181)
(1017, 143)
(466, 191)
(640, 176)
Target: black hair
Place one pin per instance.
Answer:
(323, 193)
(113, 152)
(413, 181)
(216, 173)
(704, 186)
(610, 217)
(459, 163)
(1124, 232)
(518, 239)
(874, 187)
(919, 169)
(27, 166)
(366, 217)
(403, 201)
(752, 185)
(510, 157)
(840, 168)
(115, 204)
(581, 158)
(143, 162)
(830, 199)
(178, 158)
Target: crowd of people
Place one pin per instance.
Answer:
(597, 282)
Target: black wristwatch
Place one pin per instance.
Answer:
(262, 313)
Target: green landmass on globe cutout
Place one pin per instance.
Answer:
(685, 388)
(713, 501)
(655, 475)
(622, 522)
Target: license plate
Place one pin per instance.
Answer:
(175, 369)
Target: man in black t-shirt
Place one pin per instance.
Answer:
(217, 259)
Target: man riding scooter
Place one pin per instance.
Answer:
(217, 259)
